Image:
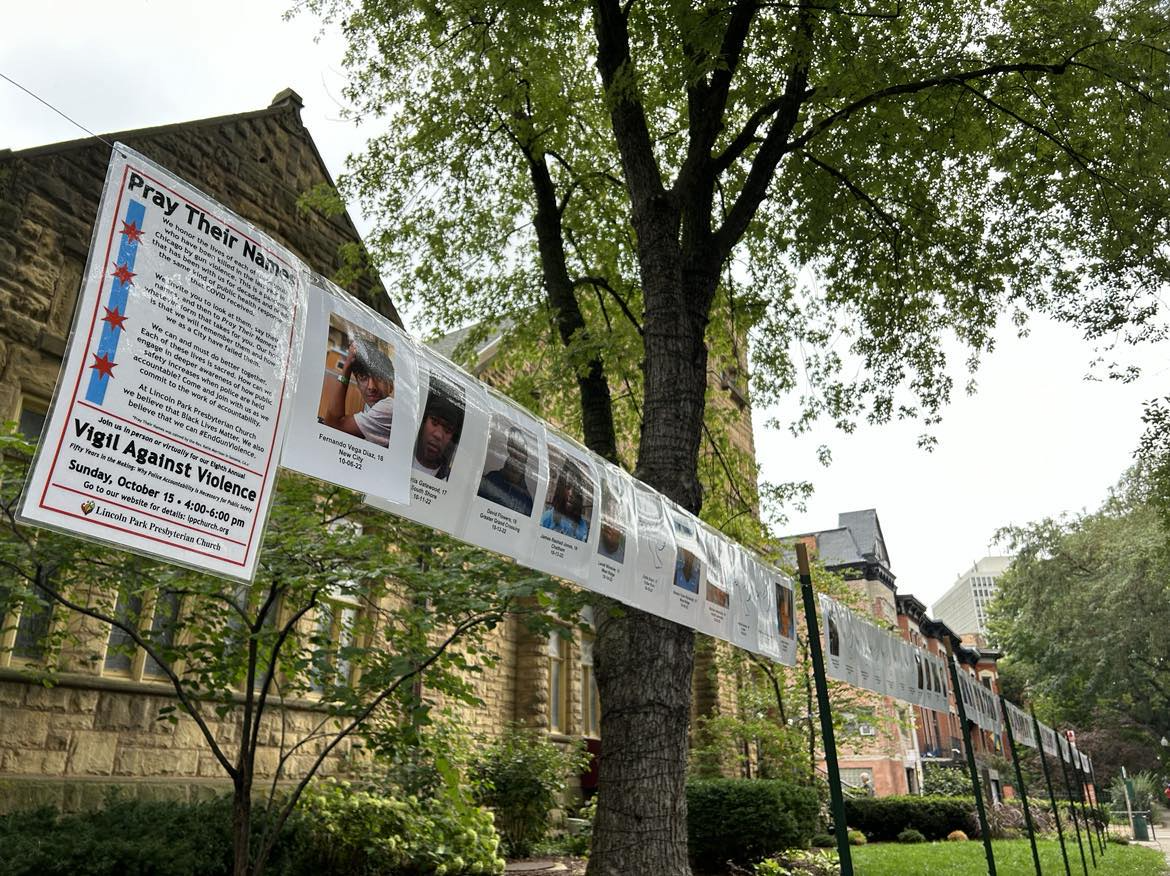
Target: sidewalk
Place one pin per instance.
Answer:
(1162, 842)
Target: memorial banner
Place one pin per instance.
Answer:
(690, 567)
(745, 604)
(567, 537)
(655, 554)
(173, 397)
(613, 570)
(448, 449)
(1048, 740)
(1022, 729)
(513, 473)
(355, 413)
(715, 614)
(763, 583)
(785, 591)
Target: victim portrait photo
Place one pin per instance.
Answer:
(568, 505)
(785, 612)
(510, 471)
(717, 596)
(834, 637)
(357, 393)
(440, 429)
(611, 541)
(686, 571)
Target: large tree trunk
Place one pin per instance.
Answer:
(644, 663)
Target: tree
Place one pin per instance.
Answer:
(635, 181)
(1083, 611)
(348, 609)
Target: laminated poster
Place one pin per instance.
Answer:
(355, 412)
(745, 608)
(655, 555)
(1022, 730)
(785, 592)
(833, 635)
(447, 450)
(173, 397)
(566, 538)
(614, 565)
(862, 641)
(769, 627)
(850, 652)
(879, 657)
(715, 614)
(690, 568)
(1048, 740)
(507, 501)
(940, 673)
(908, 674)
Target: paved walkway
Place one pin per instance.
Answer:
(1162, 842)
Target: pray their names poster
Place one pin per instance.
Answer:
(355, 412)
(173, 397)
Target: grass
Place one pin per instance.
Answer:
(1012, 858)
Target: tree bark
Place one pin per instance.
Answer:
(242, 823)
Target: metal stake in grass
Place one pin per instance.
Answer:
(1051, 793)
(1020, 783)
(836, 797)
(983, 829)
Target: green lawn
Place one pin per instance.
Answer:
(1012, 858)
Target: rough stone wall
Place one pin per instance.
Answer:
(67, 744)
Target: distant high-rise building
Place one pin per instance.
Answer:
(963, 607)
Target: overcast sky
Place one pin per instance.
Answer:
(1036, 440)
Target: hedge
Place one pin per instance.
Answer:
(883, 818)
(743, 820)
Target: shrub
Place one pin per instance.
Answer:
(945, 781)
(857, 838)
(127, 836)
(742, 820)
(520, 777)
(799, 863)
(823, 841)
(910, 835)
(956, 836)
(379, 831)
(883, 818)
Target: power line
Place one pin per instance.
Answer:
(67, 118)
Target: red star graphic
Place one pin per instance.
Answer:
(114, 318)
(123, 274)
(133, 232)
(103, 365)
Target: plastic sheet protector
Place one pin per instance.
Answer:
(173, 398)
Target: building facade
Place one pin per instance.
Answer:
(964, 606)
(891, 753)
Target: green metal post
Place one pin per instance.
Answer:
(1072, 808)
(1085, 815)
(1020, 784)
(1051, 793)
(1102, 819)
(836, 798)
(983, 828)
